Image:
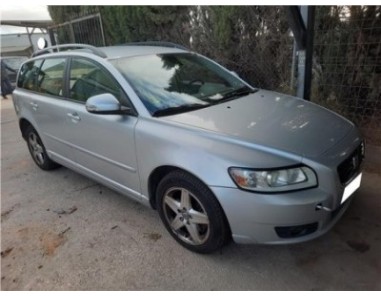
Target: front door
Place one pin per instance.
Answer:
(104, 145)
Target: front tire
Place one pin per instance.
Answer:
(191, 213)
(37, 150)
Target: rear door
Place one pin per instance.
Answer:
(42, 95)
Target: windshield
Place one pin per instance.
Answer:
(179, 82)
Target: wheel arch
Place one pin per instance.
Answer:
(158, 174)
(24, 124)
(154, 179)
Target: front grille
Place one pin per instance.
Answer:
(351, 165)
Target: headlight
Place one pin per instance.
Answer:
(274, 180)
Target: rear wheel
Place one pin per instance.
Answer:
(37, 150)
(191, 213)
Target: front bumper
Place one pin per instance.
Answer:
(293, 217)
(255, 218)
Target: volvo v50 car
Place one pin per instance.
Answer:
(216, 157)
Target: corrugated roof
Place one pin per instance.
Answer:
(29, 23)
(8, 49)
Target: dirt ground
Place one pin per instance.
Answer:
(62, 231)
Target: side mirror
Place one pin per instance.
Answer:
(105, 104)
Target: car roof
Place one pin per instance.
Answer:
(120, 51)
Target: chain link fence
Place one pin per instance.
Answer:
(347, 65)
(254, 41)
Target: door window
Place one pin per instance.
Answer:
(89, 79)
(28, 75)
(50, 77)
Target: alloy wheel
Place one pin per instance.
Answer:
(36, 148)
(186, 216)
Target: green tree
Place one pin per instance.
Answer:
(146, 23)
(254, 41)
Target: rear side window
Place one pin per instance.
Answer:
(50, 77)
(47, 79)
(28, 75)
(89, 79)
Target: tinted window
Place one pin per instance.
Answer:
(88, 79)
(28, 75)
(50, 77)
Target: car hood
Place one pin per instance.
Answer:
(272, 119)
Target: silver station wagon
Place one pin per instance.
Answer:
(217, 158)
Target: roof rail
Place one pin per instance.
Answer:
(49, 49)
(157, 43)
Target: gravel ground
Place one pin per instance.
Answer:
(62, 231)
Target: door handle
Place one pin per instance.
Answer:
(34, 106)
(74, 117)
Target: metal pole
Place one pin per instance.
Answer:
(101, 24)
(72, 36)
(305, 54)
(309, 53)
(30, 39)
(301, 73)
(292, 80)
(51, 36)
(302, 58)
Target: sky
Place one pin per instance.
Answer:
(21, 11)
(25, 10)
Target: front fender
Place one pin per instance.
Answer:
(205, 154)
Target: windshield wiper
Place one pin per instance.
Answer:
(239, 92)
(178, 109)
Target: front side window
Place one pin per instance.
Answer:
(89, 79)
(29, 74)
(50, 77)
(179, 82)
